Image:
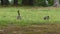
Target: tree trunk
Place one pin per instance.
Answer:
(31, 2)
(56, 3)
(15, 2)
(27, 2)
(1, 2)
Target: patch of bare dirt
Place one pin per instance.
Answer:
(31, 29)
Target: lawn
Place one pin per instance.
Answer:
(32, 17)
(29, 15)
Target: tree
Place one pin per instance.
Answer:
(56, 3)
(11, 2)
(47, 3)
(1, 2)
(4, 2)
(31, 2)
(27, 2)
(15, 2)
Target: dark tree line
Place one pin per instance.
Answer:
(6, 2)
(15, 2)
(29, 2)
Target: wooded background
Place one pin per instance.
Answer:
(30, 2)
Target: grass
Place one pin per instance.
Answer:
(29, 15)
(32, 17)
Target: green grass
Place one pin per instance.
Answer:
(30, 15)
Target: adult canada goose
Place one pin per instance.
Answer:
(19, 16)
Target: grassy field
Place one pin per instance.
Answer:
(29, 15)
(32, 17)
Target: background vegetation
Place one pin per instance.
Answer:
(35, 2)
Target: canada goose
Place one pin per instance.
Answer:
(46, 18)
(18, 17)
